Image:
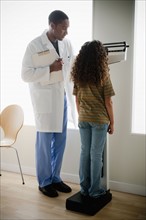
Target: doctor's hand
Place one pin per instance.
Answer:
(57, 65)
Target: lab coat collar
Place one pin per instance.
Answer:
(49, 45)
(45, 39)
(61, 48)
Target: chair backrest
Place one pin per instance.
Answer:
(12, 118)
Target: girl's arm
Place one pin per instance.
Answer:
(109, 107)
(77, 104)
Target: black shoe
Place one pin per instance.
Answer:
(100, 197)
(49, 191)
(62, 187)
(85, 197)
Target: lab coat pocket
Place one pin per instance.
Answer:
(42, 100)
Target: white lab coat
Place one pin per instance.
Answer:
(48, 99)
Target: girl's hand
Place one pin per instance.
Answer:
(110, 129)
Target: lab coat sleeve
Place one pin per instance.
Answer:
(72, 103)
(31, 74)
(69, 87)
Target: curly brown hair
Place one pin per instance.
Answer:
(91, 64)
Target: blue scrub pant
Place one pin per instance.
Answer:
(49, 153)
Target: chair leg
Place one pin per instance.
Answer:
(19, 165)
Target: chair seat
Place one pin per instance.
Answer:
(11, 121)
(7, 142)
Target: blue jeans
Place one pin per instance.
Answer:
(49, 153)
(93, 138)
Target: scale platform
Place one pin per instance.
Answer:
(79, 203)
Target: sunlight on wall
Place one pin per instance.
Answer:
(139, 80)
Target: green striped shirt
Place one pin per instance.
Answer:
(91, 102)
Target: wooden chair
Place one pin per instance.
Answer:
(11, 121)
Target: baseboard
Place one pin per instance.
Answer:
(73, 178)
(15, 168)
(128, 188)
(113, 185)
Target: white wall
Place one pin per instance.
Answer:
(113, 21)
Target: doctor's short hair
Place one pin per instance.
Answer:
(57, 17)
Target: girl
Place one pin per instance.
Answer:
(93, 90)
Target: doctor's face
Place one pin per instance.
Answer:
(60, 30)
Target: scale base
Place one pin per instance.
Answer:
(78, 203)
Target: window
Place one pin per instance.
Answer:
(22, 21)
(138, 114)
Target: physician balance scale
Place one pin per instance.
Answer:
(117, 52)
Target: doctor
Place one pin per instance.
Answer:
(46, 56)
